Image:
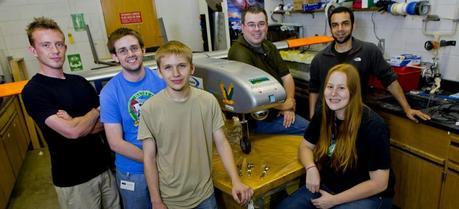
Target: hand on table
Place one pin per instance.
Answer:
(241, 193)
(411, 113)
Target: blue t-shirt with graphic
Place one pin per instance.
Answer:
(120, 102)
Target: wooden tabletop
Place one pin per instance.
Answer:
(278, 152)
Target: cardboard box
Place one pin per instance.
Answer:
(297, 5)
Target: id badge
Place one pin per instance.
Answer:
(250, 205)
(127, 185)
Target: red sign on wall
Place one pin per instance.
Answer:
(130, 17)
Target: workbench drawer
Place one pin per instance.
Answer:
(6, 113)
(453, 151)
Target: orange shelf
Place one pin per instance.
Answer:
(308, 41)
(14, 88)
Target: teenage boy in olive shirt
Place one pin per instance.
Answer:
(177, 127)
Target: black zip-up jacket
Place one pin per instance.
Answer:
(365, 56)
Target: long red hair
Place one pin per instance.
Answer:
(345, 153)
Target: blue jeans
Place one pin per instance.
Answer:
(275, 126)
(301, 199)
(209, 203)
(140, 197)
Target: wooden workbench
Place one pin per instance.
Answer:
(278, 152)
(15, 89)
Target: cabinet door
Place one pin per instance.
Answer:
(6, 176)
(418, 181)
(451, 192)
(302, 98)
(140, 16)
(18, 135)
(3, 200)
(21, 129)
(12, 148)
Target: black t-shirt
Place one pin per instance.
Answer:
(73, 161)
(340, 56)
(372, 152)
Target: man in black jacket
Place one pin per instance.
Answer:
(365, 56)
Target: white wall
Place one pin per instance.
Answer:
(16, 14)
(3, 59)
(181, 20)
(182, 23)
(402, 34)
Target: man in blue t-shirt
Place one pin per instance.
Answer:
(120, 102)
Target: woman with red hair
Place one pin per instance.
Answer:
(345, 151)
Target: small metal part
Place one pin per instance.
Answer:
(250, 165)
(429, 45)
(249, 168)
(239, 167)
(249, 172)
(264, 171)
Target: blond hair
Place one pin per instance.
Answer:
(176, 48)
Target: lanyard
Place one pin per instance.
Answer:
(334, 135)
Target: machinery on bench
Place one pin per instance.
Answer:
(240, 88)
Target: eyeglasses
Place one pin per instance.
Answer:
(125, 51)
(49, 46)
(253, 26)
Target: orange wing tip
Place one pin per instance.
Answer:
(308, 41)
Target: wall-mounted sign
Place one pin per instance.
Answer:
(75, 62)
(130, 17)
(78, 22)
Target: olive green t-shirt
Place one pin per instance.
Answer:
(183, 132)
